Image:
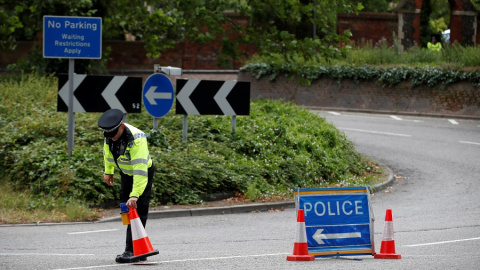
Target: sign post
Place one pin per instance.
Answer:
(72, 37)
(338, 221)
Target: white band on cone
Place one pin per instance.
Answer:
(138, 232)
(301, 236)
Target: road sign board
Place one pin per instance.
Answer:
(338, 221)
(72, 37)
(202, 97)
(101, 93)
(158, 95)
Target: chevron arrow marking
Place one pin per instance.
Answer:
(64, 93)
(183, 97)
(109, 93)
(221, 97)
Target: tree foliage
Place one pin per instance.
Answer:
(435, 19)
(305, 28)
(375, 5)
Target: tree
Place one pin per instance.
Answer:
(281, 27)
(435, 19)
(22, 20)
(377, 5)
(284, 27)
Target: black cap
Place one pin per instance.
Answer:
(110, 120)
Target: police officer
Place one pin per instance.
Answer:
(125, 149)
(434, 45)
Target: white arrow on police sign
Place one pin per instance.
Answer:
(319, 236)
(100, 93)
(205, 97)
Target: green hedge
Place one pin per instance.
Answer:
(427, 75)
(277, 148)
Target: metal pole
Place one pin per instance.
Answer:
(71, 116)
(234, 124)
(155, 123)
(185, 127)
(315, 19)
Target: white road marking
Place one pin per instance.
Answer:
(469, 142)
(42, 254)
(111, 230)
(444, 242)
(376, 132)
(453, 122)
(396, 117)
(175, 261)
(335, 113)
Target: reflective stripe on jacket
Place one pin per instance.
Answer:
(134, 162)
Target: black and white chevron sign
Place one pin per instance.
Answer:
(202, 97)
(100, 93)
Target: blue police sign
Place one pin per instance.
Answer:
(158, 95)
(338, 221)
(72, 37)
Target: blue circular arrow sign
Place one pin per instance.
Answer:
(158, 95)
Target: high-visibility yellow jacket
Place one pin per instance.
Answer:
(135, 161)
(434, 47)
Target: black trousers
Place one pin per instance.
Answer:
(143, 202)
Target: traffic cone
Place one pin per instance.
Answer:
(300, 248)
(387, 250)
(142, 247)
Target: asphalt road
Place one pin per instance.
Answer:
(435, 204)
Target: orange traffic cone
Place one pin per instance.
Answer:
(142, 247)
(387, 250)
(300, 248)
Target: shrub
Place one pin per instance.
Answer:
(277, 148)
(378, 62)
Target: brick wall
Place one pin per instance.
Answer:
(369, 26)
(459, 99)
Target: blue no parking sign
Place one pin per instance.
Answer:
(158, 95)
(338, 221)
(72, 37)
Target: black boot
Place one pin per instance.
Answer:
(126, 257)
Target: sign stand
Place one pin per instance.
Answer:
(71, 115)
(234, 124)
(185, 128)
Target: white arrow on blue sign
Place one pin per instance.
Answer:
(158, 95)
(319, 236)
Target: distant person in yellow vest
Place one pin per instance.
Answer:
(434, 45)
